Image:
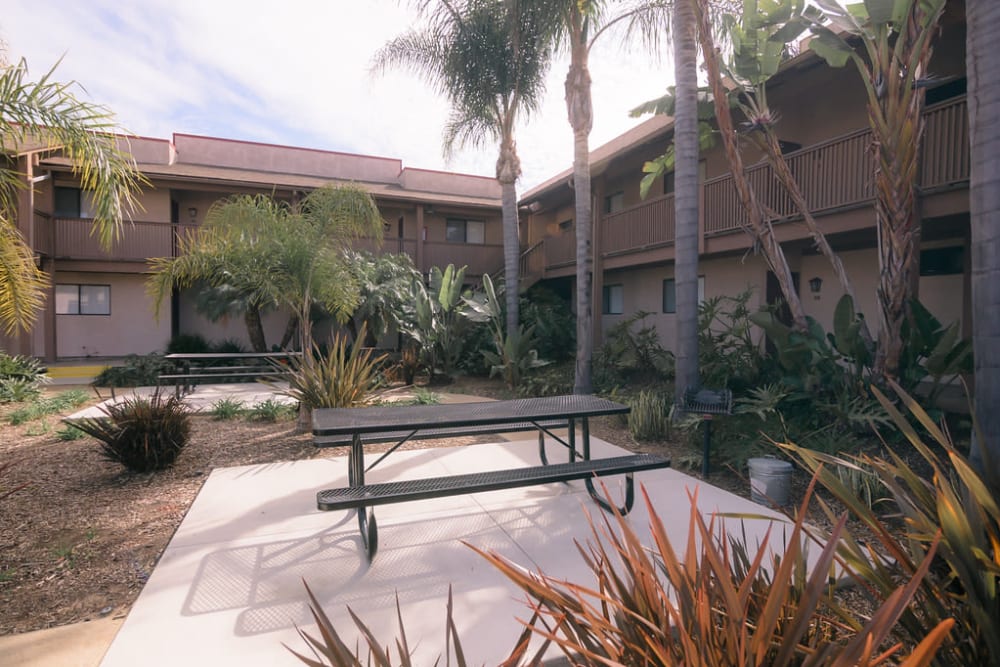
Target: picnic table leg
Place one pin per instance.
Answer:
(598, 498)
(366, 517)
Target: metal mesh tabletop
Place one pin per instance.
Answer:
(336, 421)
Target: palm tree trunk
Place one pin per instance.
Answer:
(290, 328)
(758, 225)
(255, 329)
(982, 64)
(686, 194)
(508, 169)
(581, 117)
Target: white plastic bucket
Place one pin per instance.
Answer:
(770, 480)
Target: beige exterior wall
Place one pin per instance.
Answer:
(129, 329)
(228, 328)
(643, 290)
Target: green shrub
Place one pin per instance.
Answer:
(20, 378)
(228, 346)
(270, 411)
(649, 418)
(143, 434)
(632, 354)
(423, 396)
(138, 371)
(340, 379)
(226, 408)
(188, 344)
(554, 380)
(18, 389)
(553, 321)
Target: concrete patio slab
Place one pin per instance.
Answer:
(229, 587)
(203, 397)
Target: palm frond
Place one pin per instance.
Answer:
(22, 283)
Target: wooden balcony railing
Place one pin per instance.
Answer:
(479, 257)
(834, 174)
(139, 240)
(560, 250)
(648, 224)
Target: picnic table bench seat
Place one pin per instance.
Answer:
(352, 497)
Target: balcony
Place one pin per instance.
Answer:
(73, 238)
(479, 257)
(833, 175)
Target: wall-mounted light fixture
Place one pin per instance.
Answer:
(815, 285)
(193, 212)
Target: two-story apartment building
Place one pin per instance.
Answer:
(97, 305)
(823, 125)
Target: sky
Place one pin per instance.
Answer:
(297, 73)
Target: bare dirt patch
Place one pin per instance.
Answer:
(79, 541)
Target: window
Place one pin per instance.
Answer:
(565, 225)
(465, 231)
(670, 294)
(614, 300)
(668, 183)
(614, 203)
(72, 203)
(942, 261)
(83, 299)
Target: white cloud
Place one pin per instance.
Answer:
(294, 73)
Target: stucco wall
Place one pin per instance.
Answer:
(643, 290)
(228, 328)
(129, 329)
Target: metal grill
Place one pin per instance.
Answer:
(707, 403)
(437, 487)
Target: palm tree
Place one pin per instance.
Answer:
(40, 118)
(273, 255)
(982, 63)
(685, 46)
(488, 59)
(576, 25)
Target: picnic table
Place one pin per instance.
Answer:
(353, 427)
(223, 366)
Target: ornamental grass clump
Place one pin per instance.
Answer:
(341, 379)
(649, 418)
(951, 511)
(143, 434)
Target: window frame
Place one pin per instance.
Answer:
(79, 299)
(606, 299)
(673, 282)
(450, 223)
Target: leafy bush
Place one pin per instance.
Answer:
(226, 408)
(434, 319)
(951, 508)
(341, 379)
(553, 321)
(649, 418)
(228, 346)
(728, 356)
(631, 354)
(143, 434)
(188, 344)
(554, 380)
(18, 389)
(20, 378)
(68, 433)
(137, 371)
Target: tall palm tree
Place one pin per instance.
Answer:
(982, 64)
(685, 49)
(44, 117)
(487, 58)
(576, 25)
